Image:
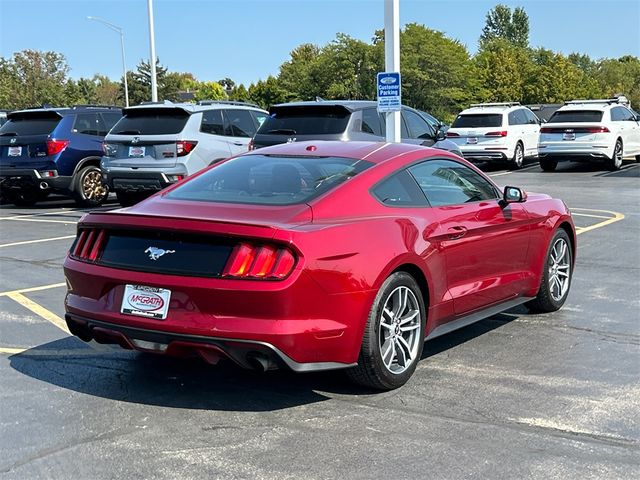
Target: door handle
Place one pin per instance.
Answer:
(238, 144)
(457, 232)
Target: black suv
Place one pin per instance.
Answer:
(345, 120)
(44, 150)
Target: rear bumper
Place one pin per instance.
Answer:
(250, 354)
(575, 152)
(23, 178)
(145, 181)
(484, 155)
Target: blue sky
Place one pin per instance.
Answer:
(247, 40)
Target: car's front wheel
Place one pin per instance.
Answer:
(88, 189)
(394, 335)
(556, 276)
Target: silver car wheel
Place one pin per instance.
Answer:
(559, 269)
(398, 339)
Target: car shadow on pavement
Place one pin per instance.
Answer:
(116, 374)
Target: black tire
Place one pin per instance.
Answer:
(87, 187)
(127, 199)
(25, 198)
(551, 298)
(614, 163)
(637, 158)
(548, 165)
(372, 370)
(517, 162)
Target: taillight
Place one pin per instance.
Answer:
(597, 130)
(109, 149)
(259, 261)
(88, 244)
(251, 145)
(184, 147)
(452, 134)
(501, 133)
(56, 146)
(546, 130)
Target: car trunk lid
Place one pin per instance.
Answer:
(24, 138)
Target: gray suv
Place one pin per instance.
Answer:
(157, 144)
(345, 120)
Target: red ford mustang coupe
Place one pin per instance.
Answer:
(315, 256)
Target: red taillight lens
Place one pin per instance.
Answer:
(184, 147)
(259, 261)
(597, 130)
(452, 134)
(88, 244)
(251, 145)
(502, 133)
(546, 130)
(56, 146)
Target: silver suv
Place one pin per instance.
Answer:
(157, 144)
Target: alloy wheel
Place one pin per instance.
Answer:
(559, 269)
(92, 185)
(398, 338)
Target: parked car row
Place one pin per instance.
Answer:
(87, 151)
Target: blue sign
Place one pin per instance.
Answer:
(389, 99)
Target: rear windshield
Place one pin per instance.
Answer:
(477, 121)
(269, 179)
(30, 124)
(151, 121)
(578, 116)
(306, 121)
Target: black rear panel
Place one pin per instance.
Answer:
(151, 121)
(307, 120)
(166, 252)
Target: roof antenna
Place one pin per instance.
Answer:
(319, 99)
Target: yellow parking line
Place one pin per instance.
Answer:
(26, 242)
(589, 215)
(40, 311)
(12, 351)
(615, 218)
(31, 289)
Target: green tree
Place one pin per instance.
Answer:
(239, 93)
(502, 70)
(501, 22)
(302, 75)
(268, 92)
(620, 76)
(209, 91)
(32, 78)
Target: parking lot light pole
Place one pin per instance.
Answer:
(392, 59)
(152, 61)
(124, 63)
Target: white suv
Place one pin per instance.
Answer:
(496, 132)
(156, 144)
(589, 131)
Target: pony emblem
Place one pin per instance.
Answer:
(155, 253)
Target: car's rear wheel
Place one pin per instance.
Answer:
(548, 165)
(615, 162)
(556, 277)
(394, 335)
(88, 188)
(127, 199)
(517, 161)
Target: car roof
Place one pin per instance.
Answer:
(491, 108)
(375, 152)
(352, 105)
(62, 111)
(196, 107)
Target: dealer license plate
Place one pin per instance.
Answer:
(136, 151)
(472, 140)
(568, 136)
(146, 301)
(15, 151)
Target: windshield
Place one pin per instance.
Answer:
(151, 121)
(306, 121)
(579, 116)
(477, 121)
(269, 179)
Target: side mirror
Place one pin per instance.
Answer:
(513, 195)
(440, 134)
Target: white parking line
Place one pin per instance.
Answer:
(68, 222)
(26, 242)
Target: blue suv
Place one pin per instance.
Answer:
(46, 150)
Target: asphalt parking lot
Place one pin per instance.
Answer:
(514, 396)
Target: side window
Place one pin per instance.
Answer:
(512, 118)
(212, 122)
(400, 190)
(531, 117)
(108, 121)
(86, 123)
(404, 131)
(445, 182)
(627, 115)
(240, 123)
(371, 122)
(616, 114)
(259, 117)
(418, 127)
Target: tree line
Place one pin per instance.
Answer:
(439, 74)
